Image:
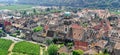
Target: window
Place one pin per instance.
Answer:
(74, 33)
(79, 34)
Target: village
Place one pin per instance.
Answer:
(91, 31)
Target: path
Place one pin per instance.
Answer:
(11, 48)
(41, 51)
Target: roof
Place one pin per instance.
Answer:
(7, 23)
(97, 27)
(46, 27)
(101, 43)
(63, 50)
(91, 51)
(76, 26)
(80, 45)
(67, 14)
(117, 46)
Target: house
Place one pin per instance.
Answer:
(91, 52)
(50, 33)
(80, 45)
(37, 38)
(77, 32)
(117, 49)
(7, 26)
(101, 43)
(63, 50)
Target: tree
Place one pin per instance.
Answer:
(34, 11)
(52, 49)
(1, 31)
(48, 9)
(49, 41)
(78, 52)
(37, 29)
(103, 53)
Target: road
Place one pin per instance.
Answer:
(12, 38)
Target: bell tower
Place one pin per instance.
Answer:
(67, 22)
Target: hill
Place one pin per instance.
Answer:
(75, 3)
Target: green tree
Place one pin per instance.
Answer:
(34, 11)
(48, 9)
(1, 31)
(49, 41)
(103, 53)
(52, 49)
(37, 29)
(78, 52)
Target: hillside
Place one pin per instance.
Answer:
(76, 3)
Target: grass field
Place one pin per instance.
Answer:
(4, 46)
(26, 48)
(115, 12)
(16, 7)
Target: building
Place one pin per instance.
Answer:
(77, 32)
(80, 45)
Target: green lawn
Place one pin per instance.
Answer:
(16, 7)
(26, 48)
(4, 46)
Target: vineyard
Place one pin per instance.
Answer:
(20, 48)
(26, 48)
(4, 46)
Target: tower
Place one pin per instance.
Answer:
(67, 22)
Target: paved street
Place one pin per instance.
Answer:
(12, 38)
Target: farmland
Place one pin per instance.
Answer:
(20, 48)
(16, 7)
(115, 12)
(26, 48)
(4, 46)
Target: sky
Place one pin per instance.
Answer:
(8, 0)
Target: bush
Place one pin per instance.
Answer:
(49, 41)
(14, 35)
(78, 52)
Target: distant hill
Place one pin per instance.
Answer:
(75, 3)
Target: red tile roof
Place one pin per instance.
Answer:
(97, 27)
(7, 23)
(80, 45)
(46, 27)
(76, 26)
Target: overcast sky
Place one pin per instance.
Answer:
(8, 0)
